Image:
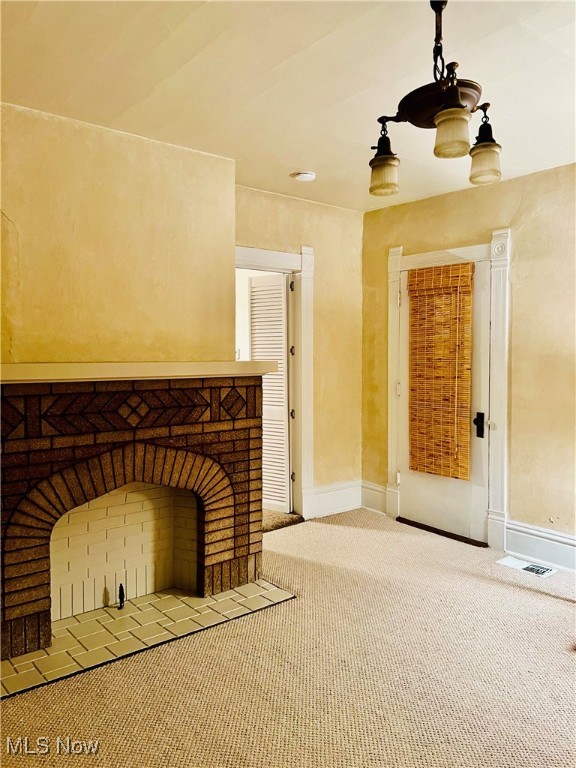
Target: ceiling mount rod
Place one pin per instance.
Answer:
(439, 66)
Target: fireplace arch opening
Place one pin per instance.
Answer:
(141, 536)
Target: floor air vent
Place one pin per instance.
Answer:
(521, 565)
(538, 570)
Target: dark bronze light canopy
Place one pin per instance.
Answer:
(447, 104)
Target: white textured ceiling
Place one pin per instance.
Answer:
(286, 86)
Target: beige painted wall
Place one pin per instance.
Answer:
(115, 247)
(118, 248)
(279, 223)
(539, 210)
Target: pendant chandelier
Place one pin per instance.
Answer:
(447, 104)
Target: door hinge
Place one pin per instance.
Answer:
(292, 414)
(397, 389)
(291, 285)
(293, 476)
(397, 478)
(292, 350)
(399, 299)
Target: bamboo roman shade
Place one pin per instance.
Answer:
(440, 362)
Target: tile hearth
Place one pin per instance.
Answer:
(94, 638)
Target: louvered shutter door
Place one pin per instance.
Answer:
(268, 341)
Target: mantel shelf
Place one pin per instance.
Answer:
(23, 373)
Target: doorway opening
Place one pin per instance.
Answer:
(297, 270)
(484, 520)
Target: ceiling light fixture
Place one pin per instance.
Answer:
(303, 175)
(446, 104)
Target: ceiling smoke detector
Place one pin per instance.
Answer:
(303, 175)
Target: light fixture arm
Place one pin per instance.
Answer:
(397, 118)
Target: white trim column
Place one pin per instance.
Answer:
(498, 424)
(392, 490)
(305, 380)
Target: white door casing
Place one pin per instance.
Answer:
(497, 253)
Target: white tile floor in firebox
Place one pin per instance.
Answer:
(97, 637)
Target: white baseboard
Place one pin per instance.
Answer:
(325, 500)
(392, 501)
(373, 496)
(496, 529)
(531, 542)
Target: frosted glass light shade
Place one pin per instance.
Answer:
(452, 133)
(384, 179)
(485, 168)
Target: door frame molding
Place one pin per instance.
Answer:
(497, 252)
(301, 332)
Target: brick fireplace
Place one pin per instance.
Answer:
(72, 434)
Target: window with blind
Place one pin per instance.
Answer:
(440, 357)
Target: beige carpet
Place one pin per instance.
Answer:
(402, 650)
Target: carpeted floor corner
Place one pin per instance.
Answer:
(402, 649)
(272, 521)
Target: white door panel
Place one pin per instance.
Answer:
(456, 506)
(268, 341)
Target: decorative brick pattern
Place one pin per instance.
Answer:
(66, 444)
